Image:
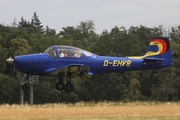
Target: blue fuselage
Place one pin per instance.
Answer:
(39, 63)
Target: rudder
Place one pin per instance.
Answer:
(159, 49)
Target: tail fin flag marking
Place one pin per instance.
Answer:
(162, 46)
(157, 46)
(158, 51)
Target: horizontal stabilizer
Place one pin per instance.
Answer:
(153, 59)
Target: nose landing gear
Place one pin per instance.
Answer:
(24, 82)
(25, 87)
(27, 80)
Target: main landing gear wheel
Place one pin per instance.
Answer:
(24, 87)
(59, 86)
(68, 87)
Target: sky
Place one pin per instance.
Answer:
(106, 14)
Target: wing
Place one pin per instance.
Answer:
(73, 70)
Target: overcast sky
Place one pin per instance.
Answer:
(106, 14)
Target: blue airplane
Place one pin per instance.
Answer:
(67, 61)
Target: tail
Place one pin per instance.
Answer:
(158, 52)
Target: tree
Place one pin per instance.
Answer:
(3, 53)
(86, 27)
(18, 46)
(49, 31)
(9, 90)
(35, 22)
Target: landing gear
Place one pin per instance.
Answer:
(25, 81)
(60, 85)
(68, 87)
(25, 87)
(28, 80)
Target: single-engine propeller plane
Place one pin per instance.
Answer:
(68, 62)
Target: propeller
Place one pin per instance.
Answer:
(10, 60)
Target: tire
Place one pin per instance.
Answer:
(25, 87)
(59, 86)
(68, 87)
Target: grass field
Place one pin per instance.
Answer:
(93, 111)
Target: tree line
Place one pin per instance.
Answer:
(26, 37)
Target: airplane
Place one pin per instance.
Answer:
(68, 61)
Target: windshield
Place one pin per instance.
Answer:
(50, 52)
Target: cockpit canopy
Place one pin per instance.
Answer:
(50, 52)
(66, 51)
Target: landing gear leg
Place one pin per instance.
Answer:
(25, 82)
(60, 85)
(68, 87)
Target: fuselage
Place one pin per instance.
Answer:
(38, 63)
(62, 58)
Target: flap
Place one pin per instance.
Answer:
(75, 70)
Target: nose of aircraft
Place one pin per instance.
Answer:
(10, 60)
